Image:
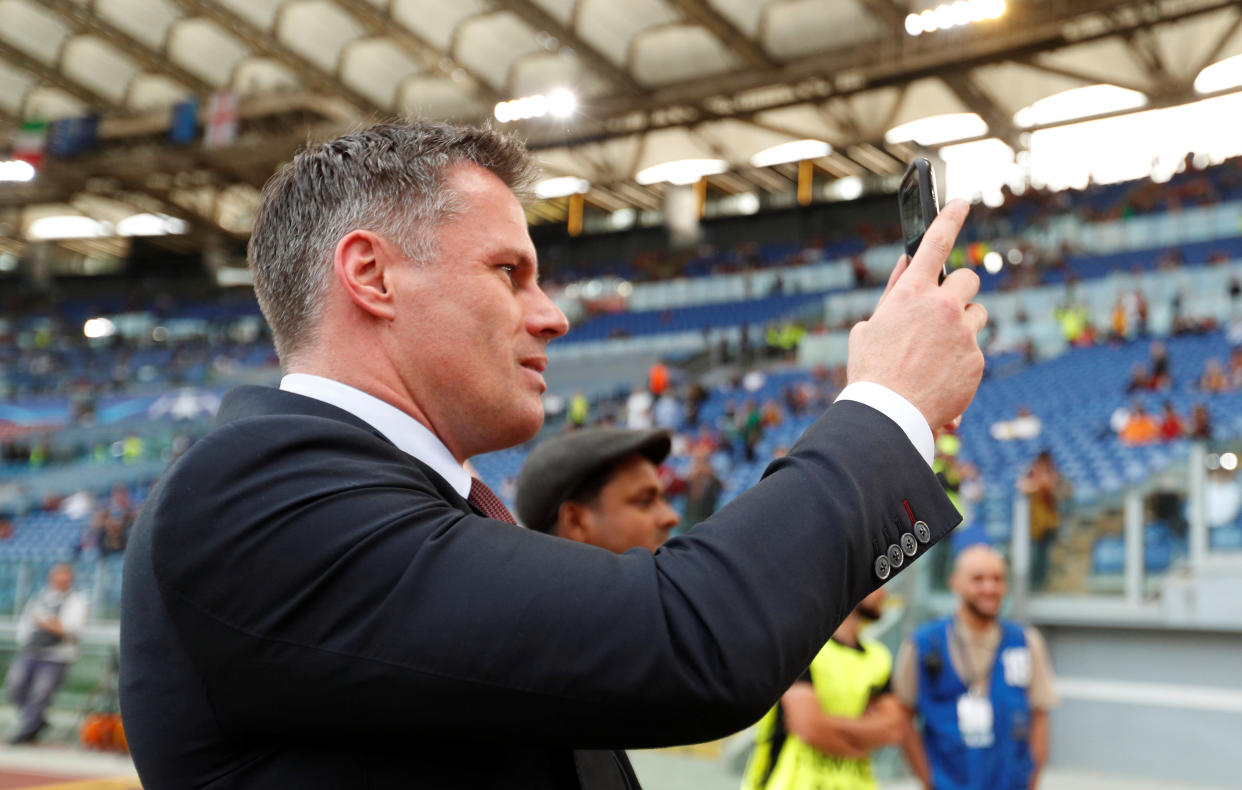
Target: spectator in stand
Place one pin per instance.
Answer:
(1161, 372)
(1045, 490)
(1172, 426)
(1200, 423)
(658, 378)
(703, 490)
(1024, 426)
(6, 526)
(638, 406)
(771, 414)
(47, 633)
(579, 411)
(667, 412)
(115, 536)
(751, 430)
(1235, 368)
(1214, 378)
(1140, 381)
(1120, 325)
(1140, 428)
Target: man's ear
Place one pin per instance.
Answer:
(574, 522)
(364, 263)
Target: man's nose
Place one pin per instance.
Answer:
(669, 517)
(545, 318)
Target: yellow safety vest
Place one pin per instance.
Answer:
(845, 679)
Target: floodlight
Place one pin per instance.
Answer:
(794, 151)
(561, 187)
(562, 103)
(16, 170)
(681, 171)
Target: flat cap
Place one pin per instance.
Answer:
(557, 468)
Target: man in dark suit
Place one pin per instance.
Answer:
(317, 595)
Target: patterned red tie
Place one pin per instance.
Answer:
(485, 499)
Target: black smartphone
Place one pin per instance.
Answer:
(918, 204)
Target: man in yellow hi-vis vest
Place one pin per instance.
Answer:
(822, 732)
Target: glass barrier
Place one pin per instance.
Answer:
(1221, 500)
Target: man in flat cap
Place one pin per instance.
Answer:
(599, 486)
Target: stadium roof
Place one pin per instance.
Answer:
(655, 81)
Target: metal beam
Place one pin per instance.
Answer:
(1085, 77)
(265, 43)
(533, 15)
(1214, 51)
(1000, 123)
(1050, 25)
(1145, 51)
(81, 19)
(747, 49)
(51, 76)
(379, 22)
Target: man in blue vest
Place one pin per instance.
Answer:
(982, 687)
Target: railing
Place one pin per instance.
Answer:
(1151, 547)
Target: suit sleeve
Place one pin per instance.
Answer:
(321, 582)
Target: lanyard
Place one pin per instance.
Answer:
(970, 676)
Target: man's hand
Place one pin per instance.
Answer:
(921, 341)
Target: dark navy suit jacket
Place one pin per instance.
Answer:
(306, 606)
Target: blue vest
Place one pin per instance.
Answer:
(1005, 763)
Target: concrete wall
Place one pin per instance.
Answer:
(1148, 702)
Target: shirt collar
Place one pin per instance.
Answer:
(408, 434)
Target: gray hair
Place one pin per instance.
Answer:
(387, 178)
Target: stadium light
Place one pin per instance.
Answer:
(992, 262)
(68, 226)
(16, 170)
(681, 171)
(561, 187)
(98, 327)
(1220, 76)
(151, 225)
(560, 103)
(937, 129)
(794, 151)
(956, 14)
(1078, 103)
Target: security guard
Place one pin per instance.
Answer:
(821, 733)
(599, 486)
(981, 685)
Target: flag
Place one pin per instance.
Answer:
(30, 142)
(184, 127)
(221, 125)
(70, 136)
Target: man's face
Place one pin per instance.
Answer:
(473, 324)
(630, 511)
(979, 580)
(60, 578)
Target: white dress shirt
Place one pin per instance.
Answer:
(408, 434)
(897, 409)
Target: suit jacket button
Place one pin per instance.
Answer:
(895, 557)
(922, 532)
(909, 545)
(882, 569)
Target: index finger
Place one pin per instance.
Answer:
(937, 243)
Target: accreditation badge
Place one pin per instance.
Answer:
(974, 720)
(1017, 664)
